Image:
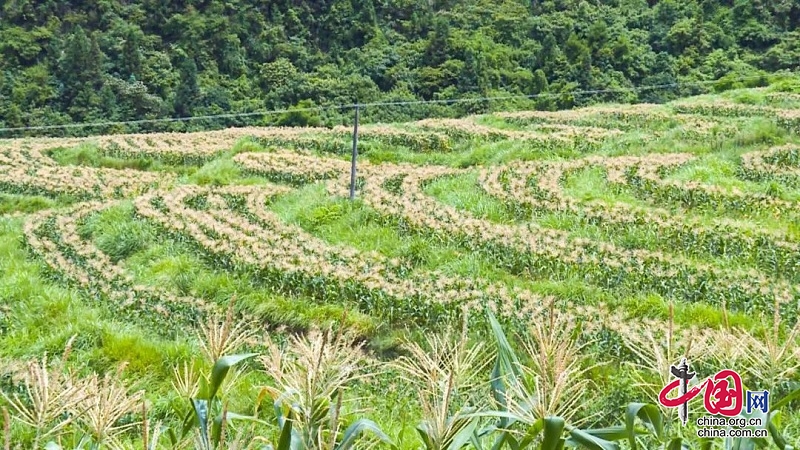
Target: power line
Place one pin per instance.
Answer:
(162, 120)
(550, 94)
(364, 105)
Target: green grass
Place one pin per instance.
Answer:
(39, 315)
(114, 235)
(90, 155)
(591, 184)
(11, 203)
(43, 316)
(220, 172)
(464, 192)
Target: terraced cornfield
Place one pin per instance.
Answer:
(679, 222)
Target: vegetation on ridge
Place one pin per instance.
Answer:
(66, 61)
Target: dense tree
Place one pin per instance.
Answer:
(80, 75)
(63, 61)
(188, 94)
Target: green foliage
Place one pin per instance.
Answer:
(89, 155)
(219, 172)
(116, 234)
(507, 372)
(67, 62)
(299, 116)
(207, 414)
(10, 203)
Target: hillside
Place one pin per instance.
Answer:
(609, 241)
(69, 61)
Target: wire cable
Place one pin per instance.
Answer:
(366, 105)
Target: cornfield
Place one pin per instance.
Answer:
(657, 226)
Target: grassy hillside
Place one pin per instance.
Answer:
(609, 241)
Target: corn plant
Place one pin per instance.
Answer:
(208, 414)
(68, 412)
(644, 423)
(311, 375)
(49, 396)
(525, 417)
(446, 376)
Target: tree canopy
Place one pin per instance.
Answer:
(113, 60)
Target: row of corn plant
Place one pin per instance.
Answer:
(532, 400)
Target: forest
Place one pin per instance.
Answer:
(65, 62)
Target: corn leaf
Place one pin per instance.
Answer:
(220, 371)
(650, 416)
(360, 426)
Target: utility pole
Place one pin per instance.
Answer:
(355, 155)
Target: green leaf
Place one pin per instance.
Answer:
(216, 431)
(201, 416)
(505, 438)
(285, 441)
(777, 436)
(278, 407)
(506, 366)
(202, 387)
(591, 442)
(749, 443)
(531, 433)
(486, 431)
(740, 444)
(188, 422)
(220, 371)
(173, 438)
(498, 386)
(462, 437)
(553, 429)
(649, 414)
(505, 414)
(612, 433)
(786, 399)
(424, 434)
(506, 357)
(296, 440)
(360, 426)
(475, 440)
